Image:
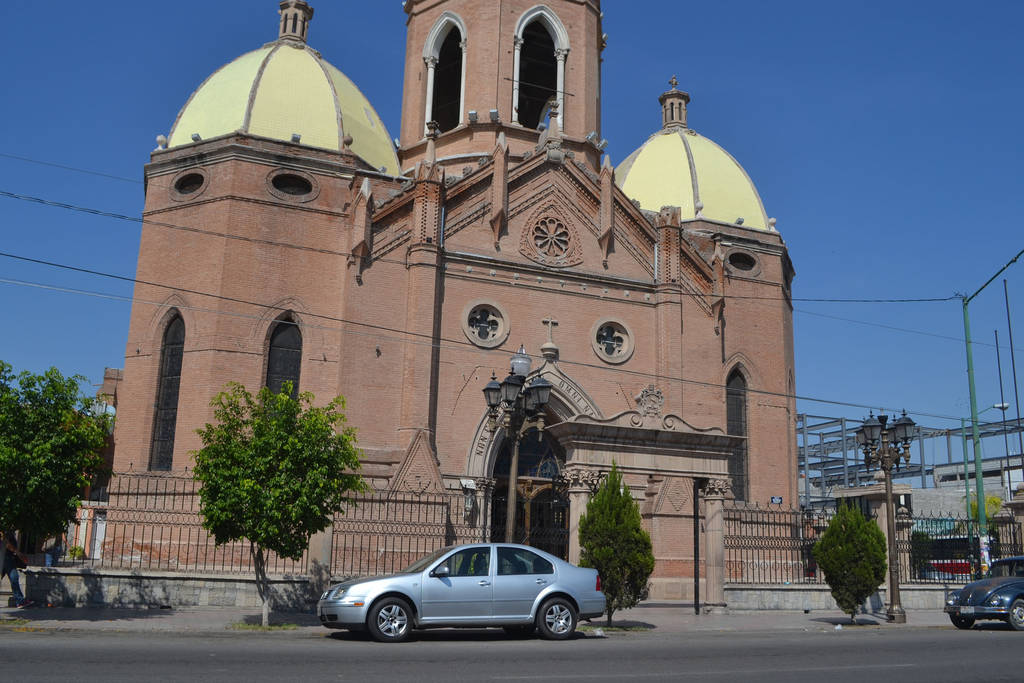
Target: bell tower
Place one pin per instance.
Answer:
(479, 68)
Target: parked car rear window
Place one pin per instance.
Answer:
(513, 561)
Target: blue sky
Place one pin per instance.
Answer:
(884, 136)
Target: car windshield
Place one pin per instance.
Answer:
(1000, 570)
(422, 563)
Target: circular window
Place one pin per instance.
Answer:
(292, 186)
(485, 324)
(740, 260)
(612, 341)
(188, 184)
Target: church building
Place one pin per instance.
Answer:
(289, 237)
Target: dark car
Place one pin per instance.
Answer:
(998, 596)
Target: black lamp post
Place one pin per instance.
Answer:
(887, 447)
(518, 410)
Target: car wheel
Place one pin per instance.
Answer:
(556, 619)
(1017, 615)
(961, 622)
(520, 631)
(390, 620)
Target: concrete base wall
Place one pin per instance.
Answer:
(740, 597)
(76, 587)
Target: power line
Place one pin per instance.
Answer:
(71, 168)
(331, 252)
(442, 343)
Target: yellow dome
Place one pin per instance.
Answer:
(282, 89)
(678, 167)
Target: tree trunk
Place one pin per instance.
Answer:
(259, 562)
(608, 623)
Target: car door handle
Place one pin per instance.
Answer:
(485, 583)
(541, 582)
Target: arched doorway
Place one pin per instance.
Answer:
(542, 505)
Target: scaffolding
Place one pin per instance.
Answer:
(828, 456)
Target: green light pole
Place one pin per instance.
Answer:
(979, 484)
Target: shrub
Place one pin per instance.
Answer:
(851, 554)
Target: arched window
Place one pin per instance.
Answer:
(444, 55)
(161, 454)
(736, 425)
(538, 74)
(284, 359)
(447, 95)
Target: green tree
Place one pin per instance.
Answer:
(273, 471)
(614, 542)
(993, 504)
(851, 553)
(51, 436)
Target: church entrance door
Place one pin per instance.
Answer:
(542, 506)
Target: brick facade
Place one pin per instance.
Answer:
(380, 272)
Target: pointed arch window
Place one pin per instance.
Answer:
(538, 74)
(161, 454)
(736, 425)
(284, 358)
(445, 58)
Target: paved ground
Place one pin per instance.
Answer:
(662, 617)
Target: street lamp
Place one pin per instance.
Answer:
(518, 410)
(887, 447)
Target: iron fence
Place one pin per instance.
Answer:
(772, 545)
(385, 531)
(152, 521)
(948, 548)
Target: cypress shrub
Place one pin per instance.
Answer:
(851, 553)
(614, 542)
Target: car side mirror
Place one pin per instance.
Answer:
(440, 571)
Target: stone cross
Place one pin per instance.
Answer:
(674, 82)
(550, 322)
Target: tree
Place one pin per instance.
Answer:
(51, 436)
(993, 504)
(273, 471)
(851, 553)
(614, 542)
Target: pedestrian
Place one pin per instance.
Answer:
(11, 560)
(53, 549)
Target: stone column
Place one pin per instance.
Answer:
(484, 496)
(582, 482)
(431, 64)
(321, 546)
(515, 79)
(560, 56)
(714, 492)
(462, 87)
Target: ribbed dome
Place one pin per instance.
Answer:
(678, 167)
(283, 89)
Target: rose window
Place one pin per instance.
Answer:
(610, 340)
(551, 238)
(484, 324)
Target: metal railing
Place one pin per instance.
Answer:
(772, 545)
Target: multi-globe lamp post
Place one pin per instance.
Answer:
(517, 408)
(887, 447)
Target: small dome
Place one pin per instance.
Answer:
(678, 167)
(282, 90)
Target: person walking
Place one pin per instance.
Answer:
(53, 549)
(11, 560)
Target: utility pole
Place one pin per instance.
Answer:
(979, 485)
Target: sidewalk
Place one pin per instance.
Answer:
(660, 617)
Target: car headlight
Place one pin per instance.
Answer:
(337, 592)
(953, 598)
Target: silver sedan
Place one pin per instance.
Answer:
(475, 585)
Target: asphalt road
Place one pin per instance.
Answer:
(921, 654)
